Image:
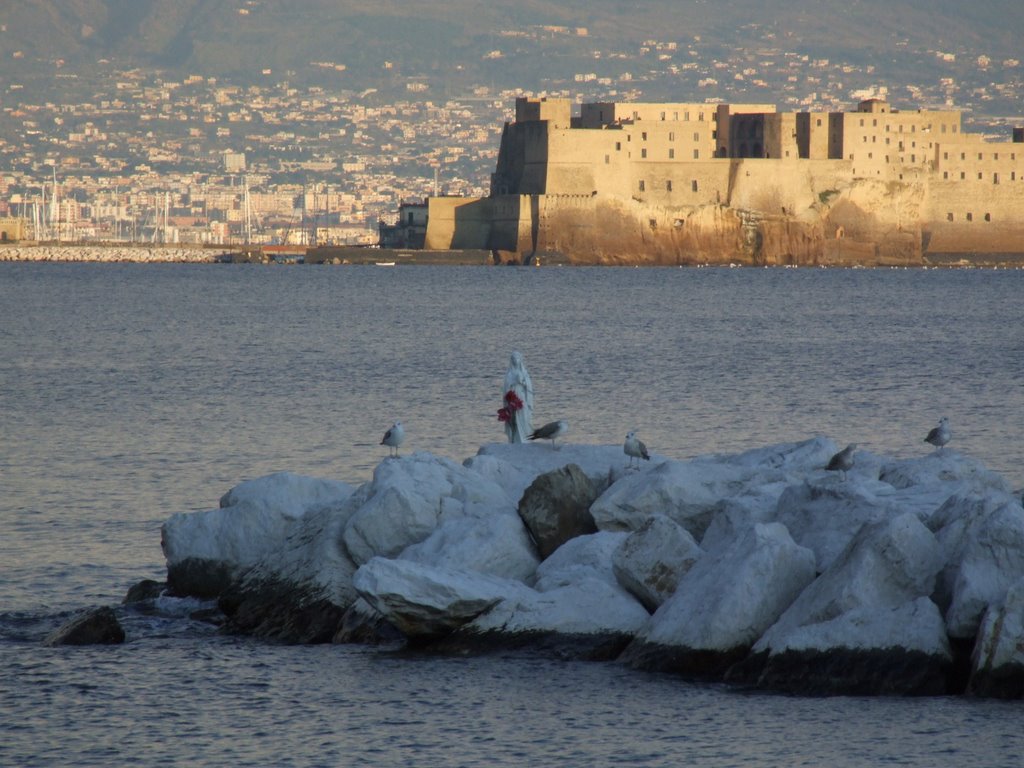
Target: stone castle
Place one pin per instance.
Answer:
(646, 183)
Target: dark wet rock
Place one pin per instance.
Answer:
(556, 507)
(199, 577)
(363, 624)
(145, 590)
(689, 663)
(98, 626)
(856, 672)
(569, 647)
(279, 611)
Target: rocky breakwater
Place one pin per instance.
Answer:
(107, 253)
(761, 568)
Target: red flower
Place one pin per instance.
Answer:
(504, 414)
(512, 401)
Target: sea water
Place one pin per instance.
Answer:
(131, 392)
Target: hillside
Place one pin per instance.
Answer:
(243, 38)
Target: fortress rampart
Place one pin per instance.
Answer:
(704, 183)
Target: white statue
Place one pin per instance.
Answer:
(517, 401)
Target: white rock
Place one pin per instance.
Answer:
(887, 566)
(589, 607)
(290, 494)
(497, 544)
(729, 598)
(982, 537)
(580, 558)
(427, 601)
(515, 465)
(409, 497)
(1000, 645)
(949, 470)
(257, 517)
(824, 513)
(651, 561)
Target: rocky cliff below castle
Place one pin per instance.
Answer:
(903, 576)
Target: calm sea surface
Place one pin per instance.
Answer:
(131, 392)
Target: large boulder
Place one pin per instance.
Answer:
(208, 551)
(496, 543)
(694, 493)
(650, 562)
(514, 466)
(997, 664)
(825, 513)
(298, 593)
(866, 625)
(724, 603)
(409, 497)
(556, 507)
(98, 626)
(982, 538)
(427, 602)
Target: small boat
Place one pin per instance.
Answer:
(385, 263)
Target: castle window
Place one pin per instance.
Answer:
(686, 116)
(618, 146)
(943, 127)
(694, 185)
(607, 159)
(970, 217)
(886, 139)
(700, 117)
(980, 155)
(988, 217)
(945, 155)
(865, 139)
(696, 137)
(901, 129)
(945, 174)
(668, 185)
(1013, 175)
(995, 178)
(862, 122)
(642, 185)
(949, 216)
(913, 158)
(871, 155)
(913, 129)
(671, 135)
(643, 152)
(696, 154)
(675, 116)
(671, 154)
(962, 175)
(714, 134)
(980, 175)
(874, 123)
(662, 115)
(995, 156)
(963, 155)
(643, 135)
(819, 122)
(874, 139)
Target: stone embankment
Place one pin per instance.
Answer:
(108, 253)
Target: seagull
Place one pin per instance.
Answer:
(843, 460)
(394, 437)
(940, 435)
(635, 449)
(551, 431)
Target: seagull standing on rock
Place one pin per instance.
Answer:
(940, 435)
(394, 437)
(635, 449)
(551, 431)
(842, 461)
